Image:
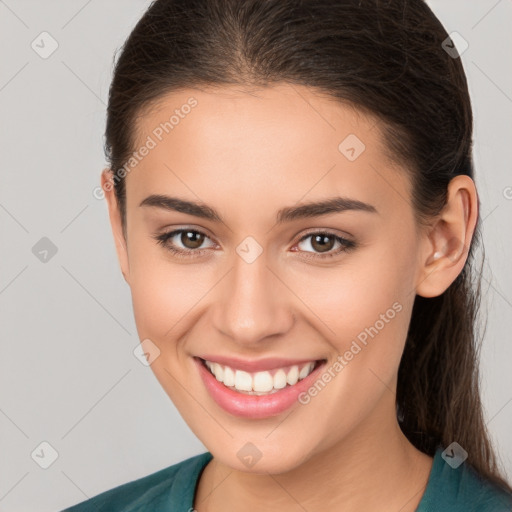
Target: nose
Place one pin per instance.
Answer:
(253, 303)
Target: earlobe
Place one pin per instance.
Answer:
(107, 186)
(447, 243)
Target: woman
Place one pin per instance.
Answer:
(291, 194)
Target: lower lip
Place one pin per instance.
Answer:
(254, 406)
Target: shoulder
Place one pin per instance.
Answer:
(457, 488)
(160, 490)
(481, 495)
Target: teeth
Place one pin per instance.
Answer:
(263, 381)
(218, 371)
(229, 376)
(243, 381)
(293, 375)
(259, 383)
(280, 379)
(306, 370)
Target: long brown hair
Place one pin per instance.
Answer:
(385, 58)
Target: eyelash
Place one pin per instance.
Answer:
(162, 239)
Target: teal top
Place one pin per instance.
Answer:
(172, 489)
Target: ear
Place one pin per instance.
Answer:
(107, 185)
(446, 244)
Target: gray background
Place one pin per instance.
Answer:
(68, 375)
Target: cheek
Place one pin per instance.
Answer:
(164, 297)
(161, 291)
(352, 295)
(363, 307)
(363, 310)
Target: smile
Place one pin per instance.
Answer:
(257, 394)
(260, 383)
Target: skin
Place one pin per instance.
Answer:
(248, 154)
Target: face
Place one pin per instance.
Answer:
(252, 281)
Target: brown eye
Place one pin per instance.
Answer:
(192, 239)
(183, 242)
(322, 242)
(189, 243)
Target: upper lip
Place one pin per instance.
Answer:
(258, 365)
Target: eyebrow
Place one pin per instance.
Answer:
(288, 214)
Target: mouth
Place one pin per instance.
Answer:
(262, 382)
(257, 394)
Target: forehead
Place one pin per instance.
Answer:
(282, 143)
